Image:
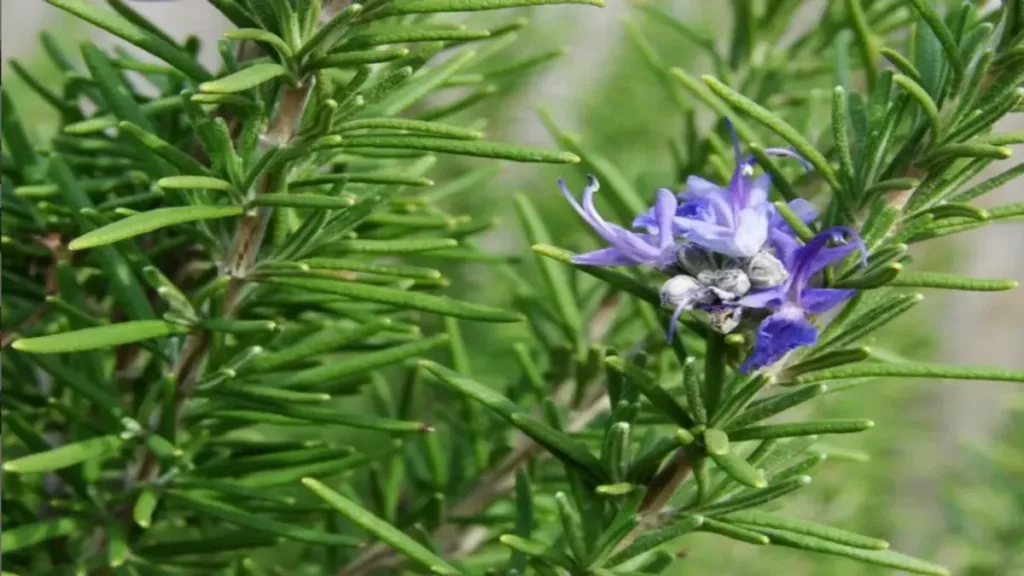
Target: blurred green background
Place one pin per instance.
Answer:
(944, 480)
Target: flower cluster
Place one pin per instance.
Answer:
(729, 254)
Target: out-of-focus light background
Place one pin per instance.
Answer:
(923, 427)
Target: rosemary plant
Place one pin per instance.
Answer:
(206, 277)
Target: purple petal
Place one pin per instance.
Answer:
(605, 257)
(579, 210)
(758, 193)
(778, 334)
(768, 298)
(646, 221)
(814, 255)
(751, 231)
(786, 247)
(665, 211)
(819, 300)
(804, 210)
(701, 188)
(697, 209)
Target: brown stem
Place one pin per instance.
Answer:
(661, 489)
(245, 248)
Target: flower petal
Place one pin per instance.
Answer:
(751, 231)
(605, 257)
(818, 300)
(778, 334)
(665, 211)
(769, 298)
(803, 209)
(759, 190)
(701, 188)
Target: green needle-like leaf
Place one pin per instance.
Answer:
(779, 126)
(122, 28)
(401, 298)
(555, 276)
(912, 370)
(244, 79)
(338, 369)
(37, 532)
(559, 443)
(99, 337)
(739, 469)
(64, 456)
(461, 147)
(381, 529)
(943, 33)
(259, 523)
(838, 426)
(756, 518)
(654, 538)
(658, 396)
(188, 182)
(733, 531)
(613, 277)
(951, 282)
(144, 222)
(429, 6)
(885, 558)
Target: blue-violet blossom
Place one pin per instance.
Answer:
(656, 248)
(795, 299)
(734, 220)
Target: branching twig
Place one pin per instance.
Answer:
(456, 540)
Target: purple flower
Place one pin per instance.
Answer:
(735, 220)
(795, 299)
(625, 248)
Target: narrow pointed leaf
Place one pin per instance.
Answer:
(479, 148)
(559, 443)
(654, 538)
(779, 126)
(912, 370)
(418, 301)
(148, 221)
(773, 405)
(837, 426)
(360, 364)
(381, 529)
(555, 276)
(259, 523)
(37, 532)
(658, 396)
(613, 277)
(885, 558)
(188, 182)
(738, 469)
(119, 26)
(733, 531)
(305, 201)
(429, 6)
(951, 282)
(64, 456)
(807, 528)
(107, 336)
(402, 246)
(942, 32)
(244, 79)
